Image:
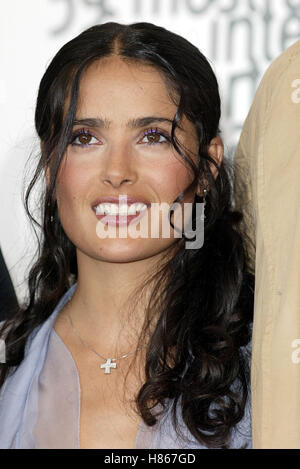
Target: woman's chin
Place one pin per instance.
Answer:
(123, 250)
(128, 250)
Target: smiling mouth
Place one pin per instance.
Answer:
(118, 215)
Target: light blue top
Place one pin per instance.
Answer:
(40, 402)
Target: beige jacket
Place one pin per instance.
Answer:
(268, 159)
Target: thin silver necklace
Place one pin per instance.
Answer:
(109, 362)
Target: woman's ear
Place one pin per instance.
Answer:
(216, 152)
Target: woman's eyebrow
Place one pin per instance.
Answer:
(132, 123)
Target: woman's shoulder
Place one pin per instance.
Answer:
(48, 324)
(44, 327)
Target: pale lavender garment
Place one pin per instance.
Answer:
(40, 403)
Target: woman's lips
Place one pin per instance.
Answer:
(121, 220)
(121, 199)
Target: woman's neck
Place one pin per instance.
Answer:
(103, 307)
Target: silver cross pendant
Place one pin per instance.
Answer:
(108, 365)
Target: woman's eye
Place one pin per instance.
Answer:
(83, 139)
(151, 137)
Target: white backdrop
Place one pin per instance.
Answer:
(240, 38)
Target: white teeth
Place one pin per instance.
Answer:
(123, 209)
(100, 210)
(132, 209)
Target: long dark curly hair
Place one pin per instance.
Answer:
(196, 355)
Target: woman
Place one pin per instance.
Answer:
(130, 341)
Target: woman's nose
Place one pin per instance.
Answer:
(119, 166)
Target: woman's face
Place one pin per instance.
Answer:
(120, 147)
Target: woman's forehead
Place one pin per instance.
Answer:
(116, 85)
(119, 93)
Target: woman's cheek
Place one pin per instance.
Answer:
(172, 180)
(74, 178)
